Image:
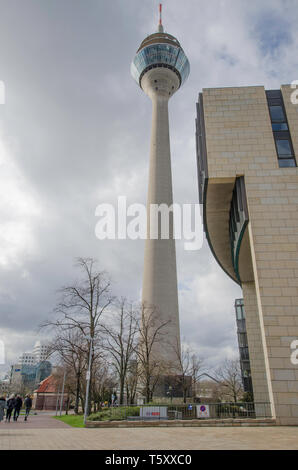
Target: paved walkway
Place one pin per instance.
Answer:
(44, 432)
(42, 420)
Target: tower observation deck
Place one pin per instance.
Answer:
(160, 67)
(160, 50)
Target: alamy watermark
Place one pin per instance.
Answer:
(294, 355)
(2, 92)
(131, 221)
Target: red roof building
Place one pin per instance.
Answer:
(48, 395)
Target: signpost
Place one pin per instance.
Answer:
(158, 412)
(203, 411)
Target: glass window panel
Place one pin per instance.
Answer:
(239, 312)
(283, 148)
(286, 162)
(277, 114)
(160, 53)
(280, 126)
(242, 339)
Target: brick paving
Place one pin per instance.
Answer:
(42, 432)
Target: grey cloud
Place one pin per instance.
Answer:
(77, 129)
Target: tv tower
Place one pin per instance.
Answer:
(160, 67)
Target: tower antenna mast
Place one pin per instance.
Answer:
(160, 26)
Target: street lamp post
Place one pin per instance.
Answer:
(57, 401)
(62, 394)
(88, 380)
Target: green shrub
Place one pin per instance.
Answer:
(115, 413)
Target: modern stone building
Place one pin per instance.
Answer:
(247, 139)
(160, 68)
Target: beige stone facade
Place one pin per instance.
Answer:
(239, 142)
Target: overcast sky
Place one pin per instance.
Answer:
(75, 132)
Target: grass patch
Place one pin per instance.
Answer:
(76, 421)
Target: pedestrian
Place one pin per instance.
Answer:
(3, 406)
(17, 407)
(10, 406)
(28, 406)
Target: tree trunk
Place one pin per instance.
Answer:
(77, 400)
(67, 405)
(121, 398)
(83, 403)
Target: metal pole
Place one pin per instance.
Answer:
(88, 383)
(62, 394)
(57, 401)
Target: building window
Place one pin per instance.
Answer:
(277, 114)
(283, 148)
(242, 340)
(239, 312)
(286, 162)
(282, 126)
(281, 134)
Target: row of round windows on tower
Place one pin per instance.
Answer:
(156, 88)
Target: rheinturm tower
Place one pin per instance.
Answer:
(160, 67)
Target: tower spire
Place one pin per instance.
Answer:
(160, 26)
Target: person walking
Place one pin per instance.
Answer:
(17, 407)
(28, 406)
(10, 406)
(3, 406)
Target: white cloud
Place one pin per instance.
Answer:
(18, 211)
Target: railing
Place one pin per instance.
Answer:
(184, 411)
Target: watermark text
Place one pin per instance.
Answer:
(160, 221)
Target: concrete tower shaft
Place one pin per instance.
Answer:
(160, 274)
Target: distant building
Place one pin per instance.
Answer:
(32, 368)
(15, 376)
(209, 391)
(27, 358)
(27, 376)
(243, 346)
(40, 351)
(39, 354)
(4, 387)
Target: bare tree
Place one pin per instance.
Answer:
(229, 375)
(189, 369)
(64, 374)
(197, 367)
(131, 380)
(120, 340)
(104, 381)
(150, 332)
(182, 378)
(81, 306)
(69, 346)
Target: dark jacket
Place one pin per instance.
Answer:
(18, 403)
(3, 407)
(28, 402)
(11, 403)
